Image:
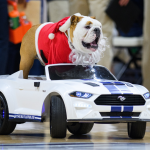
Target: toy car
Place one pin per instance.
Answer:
(75, 97)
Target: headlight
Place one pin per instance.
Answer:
(80, 94)
(147, 95)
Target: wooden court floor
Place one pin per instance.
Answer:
(103, 136)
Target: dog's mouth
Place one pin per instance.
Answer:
(92, 46)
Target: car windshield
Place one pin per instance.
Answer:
(63, 72)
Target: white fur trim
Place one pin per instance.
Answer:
(36, 41)
(77, 14)
(51, 36)
(65, 26)
(77, 57)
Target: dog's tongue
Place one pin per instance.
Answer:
(92, 49)
(93, 43)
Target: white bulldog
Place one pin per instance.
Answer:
(86, 39)
(77, 39)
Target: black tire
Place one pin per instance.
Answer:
(80, 128)
(6, 127)
(136, 130)
(58, 118)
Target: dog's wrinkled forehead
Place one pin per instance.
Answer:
(81, 25)
(89, 21)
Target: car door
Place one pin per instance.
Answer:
(29, 96)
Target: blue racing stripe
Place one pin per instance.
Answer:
(118, 83)
(115, 117)
(86, 79)
(124, 89)
(22, 116)
(127, 93)
(112, 83)
(112, 89)
(117, 87)
(115, 108)
(128, 109)
(107, 83)
(126, 117)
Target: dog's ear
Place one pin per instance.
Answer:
(93, 17)
(75, 19)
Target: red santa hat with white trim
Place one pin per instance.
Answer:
(62, 26)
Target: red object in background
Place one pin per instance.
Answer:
(16, 35)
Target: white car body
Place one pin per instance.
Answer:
(29, 99)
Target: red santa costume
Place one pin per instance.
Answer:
(51, 44)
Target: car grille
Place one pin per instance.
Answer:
(113, 100)
(118, 114)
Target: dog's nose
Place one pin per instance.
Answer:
(97, 31)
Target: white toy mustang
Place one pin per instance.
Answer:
(75, 97)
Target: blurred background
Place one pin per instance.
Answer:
(125, 23)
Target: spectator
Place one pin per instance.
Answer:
(4, 36)
(146, 46)
(57, 9)
(136, 29)
(33, 15)
(96, 8)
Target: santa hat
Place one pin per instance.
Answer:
(62, 26)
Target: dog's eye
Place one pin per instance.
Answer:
(87, 27)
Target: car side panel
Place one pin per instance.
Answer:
(7, 89)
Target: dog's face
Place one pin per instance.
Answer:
(85, 33)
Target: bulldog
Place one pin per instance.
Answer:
(77, 39)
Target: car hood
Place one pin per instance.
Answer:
(104, 86)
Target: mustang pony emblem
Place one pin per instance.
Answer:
(121, 98)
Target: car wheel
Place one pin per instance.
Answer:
(6, 127)
(80, 128)
(136, 130)
(57, 117)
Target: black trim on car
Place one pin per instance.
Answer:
(126, 114)
(117, 120)
(91, 84)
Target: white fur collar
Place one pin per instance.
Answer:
(77, 57)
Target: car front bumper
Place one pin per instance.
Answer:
(87, 111)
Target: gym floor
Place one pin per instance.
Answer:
(33, 136)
